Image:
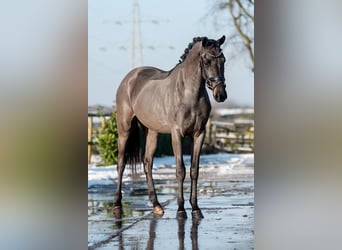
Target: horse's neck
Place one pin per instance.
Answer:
(191, 62)
(192, 71)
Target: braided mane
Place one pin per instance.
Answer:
(190, 45)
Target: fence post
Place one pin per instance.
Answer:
(103, 122)
(208, 132)
(213, 134)
(90, 128)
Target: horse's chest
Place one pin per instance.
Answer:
(191, 120)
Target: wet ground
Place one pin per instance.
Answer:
(226, 200)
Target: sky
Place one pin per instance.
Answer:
(166, 29)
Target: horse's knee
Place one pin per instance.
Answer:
(194, 173)
(180, 173)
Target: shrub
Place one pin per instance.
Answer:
(106, 140)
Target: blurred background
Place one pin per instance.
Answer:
(129, 34)
(126, 34)
(44, 104)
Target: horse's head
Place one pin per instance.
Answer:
(212, 64)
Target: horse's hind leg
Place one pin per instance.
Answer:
(120, 167)
(123, 125)
(151, 145)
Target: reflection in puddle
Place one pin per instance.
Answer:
(181, 232)
(152, 233)
(193, 233)
(122, 238)
(153, 236)
(104, 209)
(227, 205)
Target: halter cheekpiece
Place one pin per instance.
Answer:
(219, 80)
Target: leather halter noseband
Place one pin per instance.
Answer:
(219, 80)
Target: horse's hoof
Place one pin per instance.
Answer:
(181, 215)
(197, 214)
(158, 210)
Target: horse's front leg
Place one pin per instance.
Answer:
(180, 171)
(197, 145)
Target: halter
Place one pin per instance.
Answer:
(219, 80)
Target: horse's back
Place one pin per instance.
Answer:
(145, 91)
(137, 79)
(142, 74)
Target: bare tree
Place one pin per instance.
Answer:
(242, 15)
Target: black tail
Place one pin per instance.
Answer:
(133, 151)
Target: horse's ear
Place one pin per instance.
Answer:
(204, 42)
(221, 40)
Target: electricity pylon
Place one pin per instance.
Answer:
(136, 47)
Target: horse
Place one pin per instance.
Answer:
(172, 102)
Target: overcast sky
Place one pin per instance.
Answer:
(110, 31)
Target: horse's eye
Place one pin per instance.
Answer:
(207, 63)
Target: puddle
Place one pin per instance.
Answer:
(226, 200)
(228, 208)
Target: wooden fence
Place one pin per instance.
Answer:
(235, 137)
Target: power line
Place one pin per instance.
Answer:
(136, 48)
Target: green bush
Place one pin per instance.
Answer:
(106, 140)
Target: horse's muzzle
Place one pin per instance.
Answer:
(220, 93)
(220, 97)
(217, 85)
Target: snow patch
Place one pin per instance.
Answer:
(164, 167)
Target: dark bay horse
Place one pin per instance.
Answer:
(174, 102)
